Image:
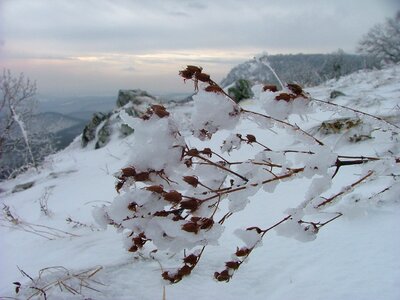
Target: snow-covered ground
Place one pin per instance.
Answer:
(354, 257)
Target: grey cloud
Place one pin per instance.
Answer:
(98, 26)
(67, 29)
(179, 14)
(196, 5)
(129, 69)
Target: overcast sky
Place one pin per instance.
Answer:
(95, 47)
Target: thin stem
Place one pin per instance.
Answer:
(275, 225)
(294, 127)
(266, 148)
(339, 214)
(345, 190)
(221, 157)
(221, 167)
(240, 188)
(266, 63)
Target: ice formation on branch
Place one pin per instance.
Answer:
(176, 198)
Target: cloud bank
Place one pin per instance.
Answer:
(99, 46)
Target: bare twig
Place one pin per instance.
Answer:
(345, 190)
(43, 201)
(64, 279)
(284, 123)
(16, 222)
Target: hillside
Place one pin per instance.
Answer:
(49, 222)
(48, 132)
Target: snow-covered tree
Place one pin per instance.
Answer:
(383, 41)
(16, 106)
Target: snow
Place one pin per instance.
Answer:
(249, 237)
(225, 117)
(352, 257)
(153, 141)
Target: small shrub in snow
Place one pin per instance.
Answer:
(176, 198)
(241, 90)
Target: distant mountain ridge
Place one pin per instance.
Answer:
(305, 69)
(73, 104)
(53, 122)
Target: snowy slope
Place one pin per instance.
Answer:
(354, 257)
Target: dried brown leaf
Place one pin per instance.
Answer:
(191, 204)
(232, 265)
(192, 180)
(143, 176)
(207, 151)
(119, 185)
(190, 259)
(133, 248)
(132, 206)
(190, 227)
(192, 152)
(242, 252)
(284, 96)
(128, 172)
(155, 189)
(185, 270)
(270, 87)
(203, 77)
(194, 69)
(251, 138)
(161, 213)
(206, 223)
(186, 74)
(295, 88)
(214, 89)
(223, 276)
(160, 111)
(173, 196)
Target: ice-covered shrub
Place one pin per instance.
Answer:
(175, 198)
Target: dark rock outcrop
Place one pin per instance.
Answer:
(334, 94)
(22, 187)
(102, 126)
(89, 132)
(136, 97)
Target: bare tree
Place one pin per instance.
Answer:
(383, 41)
(16, 105)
